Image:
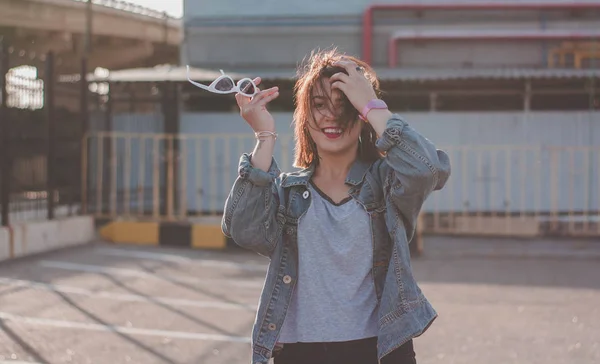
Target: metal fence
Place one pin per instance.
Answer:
(41, 130)
(494, 190)
(518, 191)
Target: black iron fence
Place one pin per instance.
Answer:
(42, 123)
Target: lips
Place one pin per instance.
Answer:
(332, 133)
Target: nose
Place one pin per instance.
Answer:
(328, 113)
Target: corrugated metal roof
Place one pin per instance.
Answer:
(407, 74)
(178, 74)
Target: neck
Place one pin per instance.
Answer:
(335, 166)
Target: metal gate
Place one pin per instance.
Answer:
(41, 127)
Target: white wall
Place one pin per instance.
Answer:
(37, 237)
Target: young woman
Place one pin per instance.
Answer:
(339, 287)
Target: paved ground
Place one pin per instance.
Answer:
(499, 302)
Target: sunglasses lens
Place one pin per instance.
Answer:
(224, 84)
(247, 88)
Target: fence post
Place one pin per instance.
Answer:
(176, 144)
(83, 146)
(107, 148)
(170, 111)
(165, 104)
(50, 119)
(5, 137)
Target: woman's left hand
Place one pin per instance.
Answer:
(357, 88)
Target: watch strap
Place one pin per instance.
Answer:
(373, 104)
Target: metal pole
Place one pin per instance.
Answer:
(88, 28)
(4, 135)
(83, 146)
(166, 27)
(591, 134)
(176, 140)
(108, 140)
(167, 129)
(527, 96)
(50, 119)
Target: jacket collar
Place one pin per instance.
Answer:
(355, 176)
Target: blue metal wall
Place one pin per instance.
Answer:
(501, 161)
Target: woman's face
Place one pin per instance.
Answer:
(329, 136)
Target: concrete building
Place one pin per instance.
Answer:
(424, 34)
(508, 87)
(497, 50)
(472, 74)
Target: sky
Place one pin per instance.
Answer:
(173, 7)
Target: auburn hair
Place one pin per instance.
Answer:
(311, 75)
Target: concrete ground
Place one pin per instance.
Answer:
(499, 301)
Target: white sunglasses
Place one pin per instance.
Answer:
(225, 85)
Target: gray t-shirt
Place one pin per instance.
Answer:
(335, 297)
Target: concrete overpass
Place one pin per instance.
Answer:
(122, 35)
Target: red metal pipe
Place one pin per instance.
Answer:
(483, 35)
(368, 14)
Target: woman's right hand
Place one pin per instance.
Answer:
(254, 110)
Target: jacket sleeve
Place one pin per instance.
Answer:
(411, 170)
(251, 209)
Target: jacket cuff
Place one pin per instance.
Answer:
(392, 134)
(257, 176)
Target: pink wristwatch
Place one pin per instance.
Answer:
(373, 104)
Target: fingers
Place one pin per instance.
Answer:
(340, 76)
(348, 65)
(268, 98)
(340, 85)
(259, 98)
(245, 100)
(338, 81)
(242, 100)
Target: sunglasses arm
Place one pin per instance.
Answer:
(204, 87)
(199, 85)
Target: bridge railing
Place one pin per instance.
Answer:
(130, 7)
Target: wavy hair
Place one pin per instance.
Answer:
(311, 77)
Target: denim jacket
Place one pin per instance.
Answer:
(262, 213)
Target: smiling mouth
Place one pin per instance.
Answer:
(332, 133)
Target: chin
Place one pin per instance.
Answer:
(333, 148)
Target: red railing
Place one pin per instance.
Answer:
(519, 35)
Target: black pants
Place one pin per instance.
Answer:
(348, 352)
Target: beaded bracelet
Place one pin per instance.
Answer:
(262, 135)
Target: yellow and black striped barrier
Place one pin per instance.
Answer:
(178, 234)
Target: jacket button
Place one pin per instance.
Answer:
(305, 195)
(272, 327)
(287, 279)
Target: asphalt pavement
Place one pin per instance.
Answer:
(499, 301)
